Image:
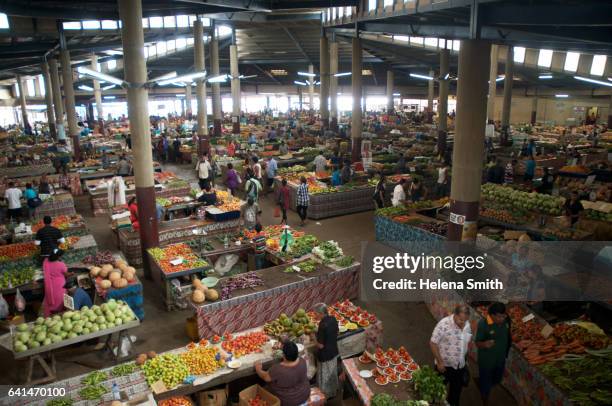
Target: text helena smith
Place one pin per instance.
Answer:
(438, 284)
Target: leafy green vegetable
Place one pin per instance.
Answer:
(92, 392)
(94, 378)
(124, 369)
(429, 384)
(345, 261)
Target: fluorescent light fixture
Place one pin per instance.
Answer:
(217, 79)
(418, 76)
(108, 87)
(311, 75)
(343, 74)
(179, 84)
(500, 78)
(562, 96)
(297, 82)
(183, 78)
(180, 95)
(99, 75)
(610, 79)
(169, 75)
(597, 82)
(396, 94)
(545, 76)
(109, 97)
(317, 83)
(446, 76)
(113, 52)
(86, 88)
(247, 77)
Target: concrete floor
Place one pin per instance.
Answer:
(407, 323)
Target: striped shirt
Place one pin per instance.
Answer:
(260, 243)
(302, 195)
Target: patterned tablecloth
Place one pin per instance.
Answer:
(256, 309)
(99, 201)
(61, 204)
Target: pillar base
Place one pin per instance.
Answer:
(356, 150)
(52, 131)
(441, 143)
(334, 124)
(147, 219)
(462, 232)
(204, 145)
(325, 122)
(235, 125)
(533, 118)
(217, 127)
(76, 147)
(609, 121)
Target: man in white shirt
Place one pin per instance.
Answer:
(449, 344)
(399, 194)
(320, 162)
(13, 197)
(442, 184)
(203, 167)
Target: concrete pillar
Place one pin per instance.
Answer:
(235, 84)
(333, 84)
(22, 102)
(48, 99)
(301, 99)
(324, 71)
(610, 113)
(73, 128)
(443, 101)
(492, 85)
(198, 44)
(98, 94)
(505, 118)
(430, 96)
(216, 87)
(534, 110)
(188, 105)
(288, 103)
(390, 77)
(37, 92)
(474, 59)
(356, 123)
(311, 81)
(135, 71)
(57, 100)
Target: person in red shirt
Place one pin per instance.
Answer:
(283, 200)
(231, 148)
(133, 208)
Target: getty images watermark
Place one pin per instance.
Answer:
(487, 270)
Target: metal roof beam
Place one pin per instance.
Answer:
(288, 4)
(567, 15)
(297, 44)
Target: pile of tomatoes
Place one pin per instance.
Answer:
(257, 401)
(245, 344)
(176, 401)
(18, 251)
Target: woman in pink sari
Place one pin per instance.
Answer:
(55, 272)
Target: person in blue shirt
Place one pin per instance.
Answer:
(530, 167)
(30, 193)
(32, 199)
(252, 139)
(80, 297)
(336, 179)
(271, 170)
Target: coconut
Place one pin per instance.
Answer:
(212, 295)
(197, 296)
(141, 359)
(115, 275)
(94, 271)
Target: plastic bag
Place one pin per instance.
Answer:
(4, 307)
(225, 263)
(20, 302)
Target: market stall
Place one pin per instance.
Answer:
(68, 225)
(58, 204)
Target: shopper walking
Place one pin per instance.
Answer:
(449, 344)
(493, 341)
(252, 186)
(380, 192)
(271, 170)
(399, 194)
(327, 352)
(232, 179)
(13, 198)
(442, 183)
(283, 200)
(249, 212)
(203, 168)
(302, 200)
(55, 272)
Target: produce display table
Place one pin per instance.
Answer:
(367, 388)
(132, 294)
(324, 205)
(171, 232)
(26, 170)
(57, 205)
(281, 293)
(75, 226)
(99, 197)
(47, 351)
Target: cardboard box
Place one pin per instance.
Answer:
(215, 397)
(252, 391)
